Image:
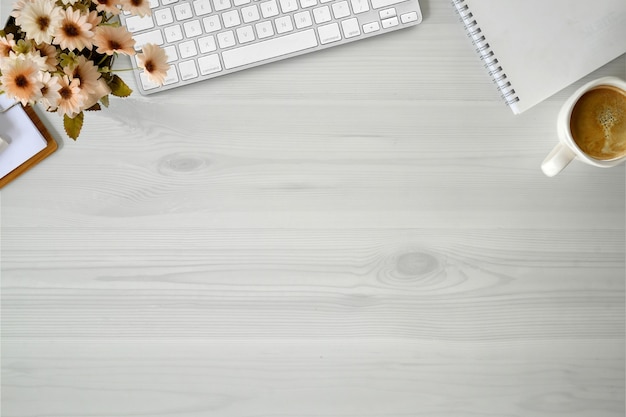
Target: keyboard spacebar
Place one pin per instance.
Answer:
(271, 48)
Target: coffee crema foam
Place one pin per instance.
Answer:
(598, 122)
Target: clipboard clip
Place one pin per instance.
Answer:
(10, 107)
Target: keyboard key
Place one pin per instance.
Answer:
(288, 6)
(168, 2)
(209, 64)
(341, 9)
(170, 78)
(377, 4)
(322, 14)
(241, 2)
(211, 24)
(192, 28)
(138, 23)
(187, 49)
(245, 34)
(387, 23)
(202, 7)
(371, 27)
(329, 33)
(308, 3)
(303, 19)
(250, 13)
(409, 17)
(269, 9)
(154, 36)
(360, 6)
(268, 49)
(226, 39)
(183, 11)
(283, 24)
(264, 29)
(231, 18)
(164, 17)
(220, 5)
(387, 13)
(171, 53)
(173, 33)
(146, 83)
(188, 70)
(207, 44)
(350, 28)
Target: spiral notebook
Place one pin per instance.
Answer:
(534, 48)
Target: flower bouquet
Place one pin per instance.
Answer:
(60, 53)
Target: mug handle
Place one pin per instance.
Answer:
(557, 159)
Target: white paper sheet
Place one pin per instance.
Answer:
(23, 137)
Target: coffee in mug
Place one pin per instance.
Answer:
(591, 127)
(598, 123)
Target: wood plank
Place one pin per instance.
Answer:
(364, 378)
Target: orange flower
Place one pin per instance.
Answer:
(17, 8)
(20, 79)
(50, 91)
(49, 52)
(39, 19)
(153, 60)
(74, 31)
(94, 18)
(101, 90)
(108, 6)
(137, 7)
(71, 98)
(85, 72)
(114, 39)
(6, 45)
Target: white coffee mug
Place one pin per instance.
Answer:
(567, 150)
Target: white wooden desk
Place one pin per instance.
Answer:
(361, 232)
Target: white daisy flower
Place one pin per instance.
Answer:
(50, 95)
(40, 19)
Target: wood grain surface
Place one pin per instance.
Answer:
(363, 232)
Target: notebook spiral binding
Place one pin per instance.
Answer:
(485, 53)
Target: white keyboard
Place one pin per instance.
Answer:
(207, 38)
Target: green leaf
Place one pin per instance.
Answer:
(119, 87)
(73, 125)
(95, 107)
(24, 46)
(82, 7)
(105, 101)
(68, 59)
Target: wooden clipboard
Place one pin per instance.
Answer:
(39, 156)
